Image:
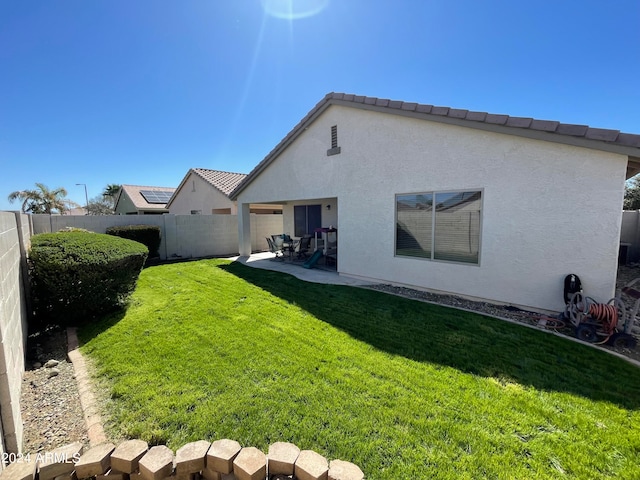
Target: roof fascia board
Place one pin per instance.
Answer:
(633, 167)
(282, 146)
(115, 205)
(184, 180)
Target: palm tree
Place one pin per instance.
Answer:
(110, 192)
(43, 200)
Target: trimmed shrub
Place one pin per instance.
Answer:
(76, 276)
(148, 235)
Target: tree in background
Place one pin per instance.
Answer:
(632, 194)
(100, 205)
(110, 194)
(43, 200)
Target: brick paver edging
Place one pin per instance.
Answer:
(221, 460)
(92, 419)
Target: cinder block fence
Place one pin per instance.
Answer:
(182, 236)
(221, 460)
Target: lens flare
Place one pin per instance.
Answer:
(293, 9)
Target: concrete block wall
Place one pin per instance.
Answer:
(220, 460)
(96, 223)
(183, 236)
(14, 240)
(263, 226)
(205, 235)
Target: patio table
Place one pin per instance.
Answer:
(290, 246)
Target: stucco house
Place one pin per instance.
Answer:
(204, 192)
(139, 200)
(480, 205)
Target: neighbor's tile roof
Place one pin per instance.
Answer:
(549, 130)
(223, 181)
(133, 192)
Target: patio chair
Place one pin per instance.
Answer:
(303, 247)
(275, 250)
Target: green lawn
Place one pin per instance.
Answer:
(212, 349)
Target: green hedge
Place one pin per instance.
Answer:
(148, 235)
(76, 276)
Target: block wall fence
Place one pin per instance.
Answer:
(221, 460)
(15, 234)
(183, 236)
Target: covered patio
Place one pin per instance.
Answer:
(313, 219)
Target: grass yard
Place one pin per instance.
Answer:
(406, 390)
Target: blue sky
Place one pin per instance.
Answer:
(137, 92)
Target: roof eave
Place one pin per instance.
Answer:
(301, 126)
(504, 124)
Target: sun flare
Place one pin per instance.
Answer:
(293, 9)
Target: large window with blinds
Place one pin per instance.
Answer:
(439, 226)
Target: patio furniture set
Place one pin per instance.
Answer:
(324, 241)
(287, 248)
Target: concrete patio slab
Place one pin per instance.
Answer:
(265, 260)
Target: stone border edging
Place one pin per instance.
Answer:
(92, 419)
(201, 460)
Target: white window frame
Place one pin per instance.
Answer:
(432, 258)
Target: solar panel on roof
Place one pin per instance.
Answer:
(156, 196)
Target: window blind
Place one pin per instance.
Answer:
(450, 231)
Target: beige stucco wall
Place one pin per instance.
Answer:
(197, 194)
(548, 209)
(13, 325)
(125, 205)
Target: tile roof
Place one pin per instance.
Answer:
(584, 131)
(133, 192)
(223, 181)
(549, 130)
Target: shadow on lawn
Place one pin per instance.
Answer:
(94, 328)
(467, 342)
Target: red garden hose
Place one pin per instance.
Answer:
(607, 315)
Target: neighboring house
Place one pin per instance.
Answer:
(137, 200)
(205, 192)
(479, 205)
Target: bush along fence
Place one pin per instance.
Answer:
(75, 275)
(221, 460)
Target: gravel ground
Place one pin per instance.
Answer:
(50, 403)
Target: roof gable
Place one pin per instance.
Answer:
(547, 130)
(225, 182)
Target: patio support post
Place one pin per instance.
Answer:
(244, 229)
